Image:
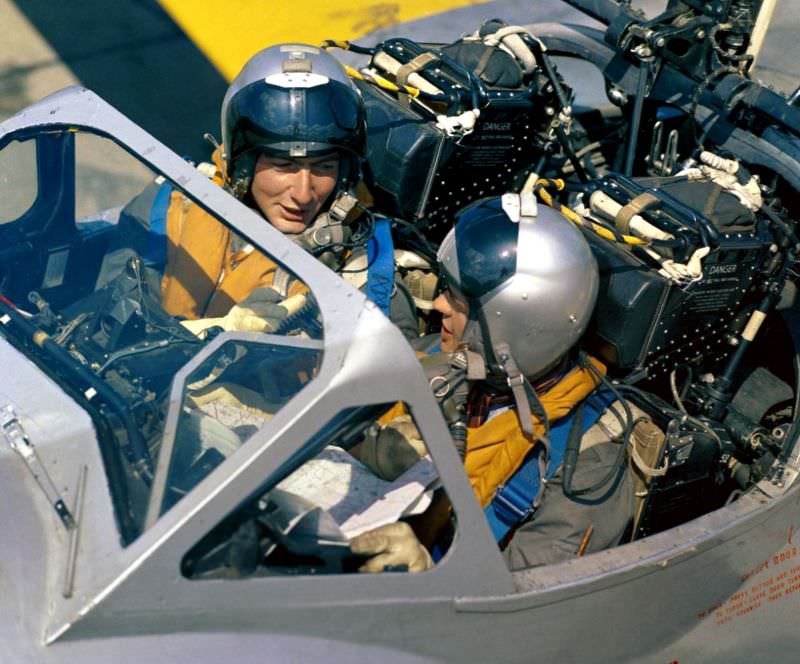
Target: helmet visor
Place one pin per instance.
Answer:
(295, 121)
(476, 257)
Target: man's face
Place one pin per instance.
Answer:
(290, 191)
(455, 313)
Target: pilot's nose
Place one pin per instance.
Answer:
(442, 305)
(302, 189)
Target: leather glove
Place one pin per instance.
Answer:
(394, 546)
(393, 449)
(258, 312)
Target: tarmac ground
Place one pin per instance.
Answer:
(166, 64)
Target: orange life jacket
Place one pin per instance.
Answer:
(497, 448)
(204, 277)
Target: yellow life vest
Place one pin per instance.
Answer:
(203, 276)
(497, 448)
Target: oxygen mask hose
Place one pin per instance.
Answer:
(447, 376)
(456, 417)
(626, 421)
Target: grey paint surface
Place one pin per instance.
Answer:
(639, 602)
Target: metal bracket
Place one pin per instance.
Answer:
(662, 163)
(18, 440)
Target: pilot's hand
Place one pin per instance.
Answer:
(258, 312)
(240, 398)
(393, 546)
(393, 449)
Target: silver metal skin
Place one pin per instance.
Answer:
(139, 589)
(721, 588)
(542, 309)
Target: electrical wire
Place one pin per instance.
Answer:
(347, 45)
(674, 389)
(698, 93)
(427, 249)
(659, 405)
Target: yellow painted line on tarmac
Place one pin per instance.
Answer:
(228, 32)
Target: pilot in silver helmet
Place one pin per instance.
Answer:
(520, 285)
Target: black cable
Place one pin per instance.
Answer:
(566, 144)
(136, 266)
(426, 248)
(349, 46)
(573, 445)
(695, 100)
(636, 117)
(547, 67)
(139, 350)
(781, 224)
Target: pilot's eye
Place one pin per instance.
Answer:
(283, 164)
(328, 167)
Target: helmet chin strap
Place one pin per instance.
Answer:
(476, 338)
(516, 381)
(521, 388)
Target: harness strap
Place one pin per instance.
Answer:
(155, 254)
(413, 66)
(380, 273)
(634, 207)
(514, 501)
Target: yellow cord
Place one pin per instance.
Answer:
(354, 73)
(376, 79)
(574, 217)
(541, 185)
(381, 82)
(335, 43)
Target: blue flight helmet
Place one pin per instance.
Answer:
(292, 100)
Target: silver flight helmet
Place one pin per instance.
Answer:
(292, 100)
(529, 278)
